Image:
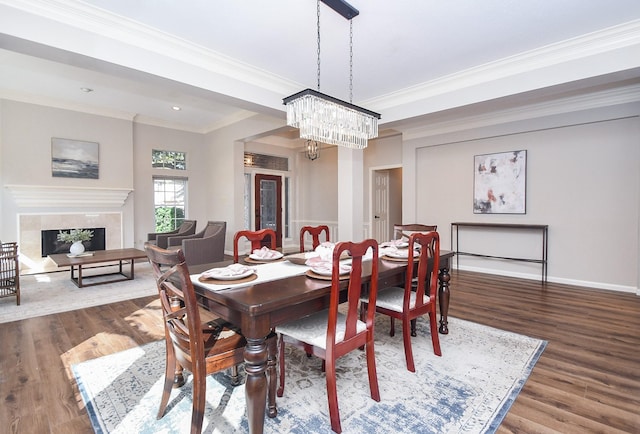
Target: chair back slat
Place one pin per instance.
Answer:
(400, 231)
(256, 238)
(426, 271)
(357, 251)
(179, 304)
(314, 232)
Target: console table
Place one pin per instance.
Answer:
(544, 229)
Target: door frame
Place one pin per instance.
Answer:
(256, 207)
(372, 171)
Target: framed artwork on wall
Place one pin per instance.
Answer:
(74, 159)
(500, 182)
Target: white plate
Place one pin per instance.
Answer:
(277, 256)
(401, 254)
(227, 274)
(324, 271)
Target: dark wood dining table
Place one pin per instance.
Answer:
(258, 308)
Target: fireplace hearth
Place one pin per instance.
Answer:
(51, 245)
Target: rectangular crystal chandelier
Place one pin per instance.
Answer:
(329, 120)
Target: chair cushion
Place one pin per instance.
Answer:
(392, 298)
(313, 329)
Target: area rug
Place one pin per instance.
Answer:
(467, 390)
(54, 292)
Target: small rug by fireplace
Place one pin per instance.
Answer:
(467, 390)
(48, 293)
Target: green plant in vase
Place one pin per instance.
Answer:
(75, 237)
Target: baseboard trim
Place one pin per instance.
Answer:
(573, 282)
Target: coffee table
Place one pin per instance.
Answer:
(97, 257)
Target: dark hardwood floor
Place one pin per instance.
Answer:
(587, 380)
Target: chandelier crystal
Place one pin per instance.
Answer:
(330, 120)
(326, 119)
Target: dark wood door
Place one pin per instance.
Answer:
(268, 199)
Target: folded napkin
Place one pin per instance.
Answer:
(325, 250)
(228, 271)
(266, 253)
(394, 252)
(322, 266)
(404, 241)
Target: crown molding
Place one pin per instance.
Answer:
(607, 40)
(100, 22)
(618, 96)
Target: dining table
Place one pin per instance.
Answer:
(285, 292)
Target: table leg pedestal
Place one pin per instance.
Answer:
(255, 364)
(443, 294)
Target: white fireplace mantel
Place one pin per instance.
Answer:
(63, 196)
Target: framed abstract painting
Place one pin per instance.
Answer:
(500, 183)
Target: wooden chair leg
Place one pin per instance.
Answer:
(406, 337)
(435, 337)
(392, 332)
(413, 328)
(235, 377)
(199, 400)
(332, 396)
(169, 373)
(371, 370)
(280, 391)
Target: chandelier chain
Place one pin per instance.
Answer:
(318, 13)
(351, 61)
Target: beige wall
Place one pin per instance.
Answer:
(583, 175)
(26, 134)
(583, 180)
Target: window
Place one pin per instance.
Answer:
(169, 201)
(168, 159)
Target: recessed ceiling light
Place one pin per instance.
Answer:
(86, 89)
(176, 108)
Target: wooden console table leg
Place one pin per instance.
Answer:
(443, 294)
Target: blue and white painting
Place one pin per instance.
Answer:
(500, 183)
(74, 158)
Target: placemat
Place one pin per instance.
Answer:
(389, 258)
(248, 260)
(314, 275)
(210, 280)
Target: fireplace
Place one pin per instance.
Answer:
(51, 245)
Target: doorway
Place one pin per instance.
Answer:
(268, 204)
(386, 201)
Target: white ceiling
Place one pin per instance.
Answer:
(222, 61)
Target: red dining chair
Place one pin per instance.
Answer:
(202, 347)
(405, 230)
(330, 334)
(256, 238)
(315, 232)
(419, 298)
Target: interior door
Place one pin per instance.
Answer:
(268, 208)
(381, 205)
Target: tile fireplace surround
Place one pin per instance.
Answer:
(31, 225)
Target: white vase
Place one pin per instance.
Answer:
(76, 248)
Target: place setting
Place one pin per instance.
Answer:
(263, 255)
(397, 250)
(231, 274)
(322, 269)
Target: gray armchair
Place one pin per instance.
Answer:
(160, 239)
(204, 247)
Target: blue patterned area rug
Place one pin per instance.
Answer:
(467, 390)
